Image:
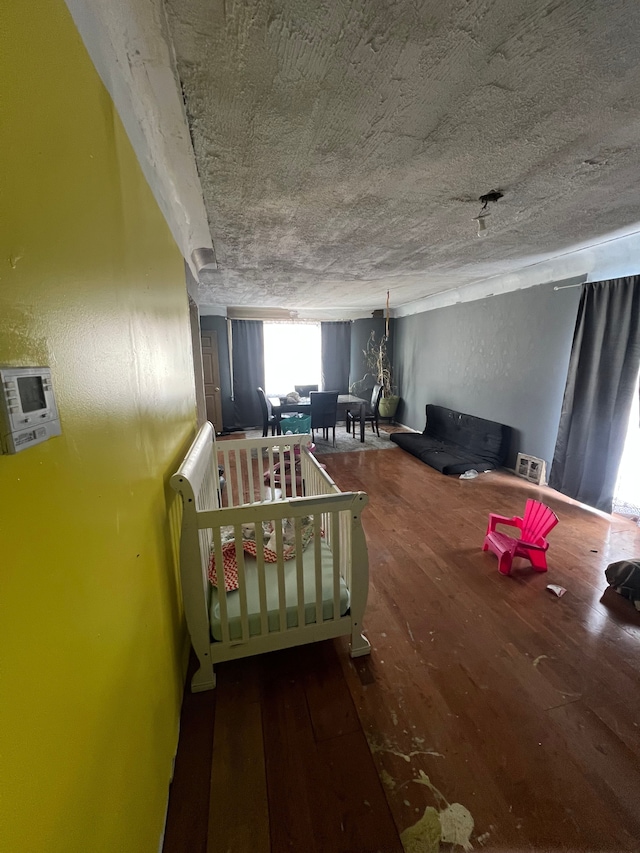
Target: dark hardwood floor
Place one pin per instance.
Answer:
(520, 706)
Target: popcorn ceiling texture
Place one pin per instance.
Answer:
(342, 146)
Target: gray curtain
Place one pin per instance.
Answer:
(336, 356)
(248, 371)
(604, 364)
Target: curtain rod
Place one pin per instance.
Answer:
(566, 286)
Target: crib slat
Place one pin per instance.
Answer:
(252, 492)
(222, 592)
(262, 588)
(272, 488)
(335, 538)
(242, 583)
(345, 538)
(261, 473)
(238, 460)
(282, 598)
(299, 573)
(317, 562)
(227, 471)
(292, 467)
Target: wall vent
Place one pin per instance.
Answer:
(531, 468)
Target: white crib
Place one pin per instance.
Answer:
(318, 593)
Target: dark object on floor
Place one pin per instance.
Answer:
(453, 442)
(624, 577)
(534, 525)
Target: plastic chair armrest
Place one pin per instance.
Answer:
(494, 519)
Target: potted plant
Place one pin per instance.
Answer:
(377, 360)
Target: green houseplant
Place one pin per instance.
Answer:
(377, 360)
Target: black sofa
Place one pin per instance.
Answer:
(453, 442)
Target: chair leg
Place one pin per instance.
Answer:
(334, 435)
(538, 560)
(504, 563)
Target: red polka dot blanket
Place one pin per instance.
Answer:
(250, 546)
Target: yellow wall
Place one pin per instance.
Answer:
(91, 633)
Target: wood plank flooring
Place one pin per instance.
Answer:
(521, 706)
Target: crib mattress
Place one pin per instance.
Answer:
(253, 596)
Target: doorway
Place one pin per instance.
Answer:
(211, 372)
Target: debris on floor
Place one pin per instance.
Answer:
(452, 824)
(471, 474)
(424, 836)
(556, 590)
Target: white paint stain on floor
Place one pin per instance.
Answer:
(450, 823)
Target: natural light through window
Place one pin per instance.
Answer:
(291, 356)
(627, 495)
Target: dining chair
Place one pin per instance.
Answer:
(324, 413)
(305, 390)
(366, 414)
(268, 418)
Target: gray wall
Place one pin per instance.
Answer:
(504, 358)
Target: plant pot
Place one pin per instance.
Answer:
(388, 406)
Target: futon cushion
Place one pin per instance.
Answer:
(453, 442)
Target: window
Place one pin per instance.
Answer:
(292, 356)
(626, 499)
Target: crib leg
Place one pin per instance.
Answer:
(204, 679)
(359, 645)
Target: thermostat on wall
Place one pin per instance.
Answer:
(28, 411)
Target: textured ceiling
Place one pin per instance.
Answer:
(342, 146)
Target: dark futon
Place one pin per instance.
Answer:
(453, 442)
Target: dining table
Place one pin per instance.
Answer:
(281, 406)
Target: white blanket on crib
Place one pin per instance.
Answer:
(253, 596)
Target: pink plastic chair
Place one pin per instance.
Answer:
(537, 521)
